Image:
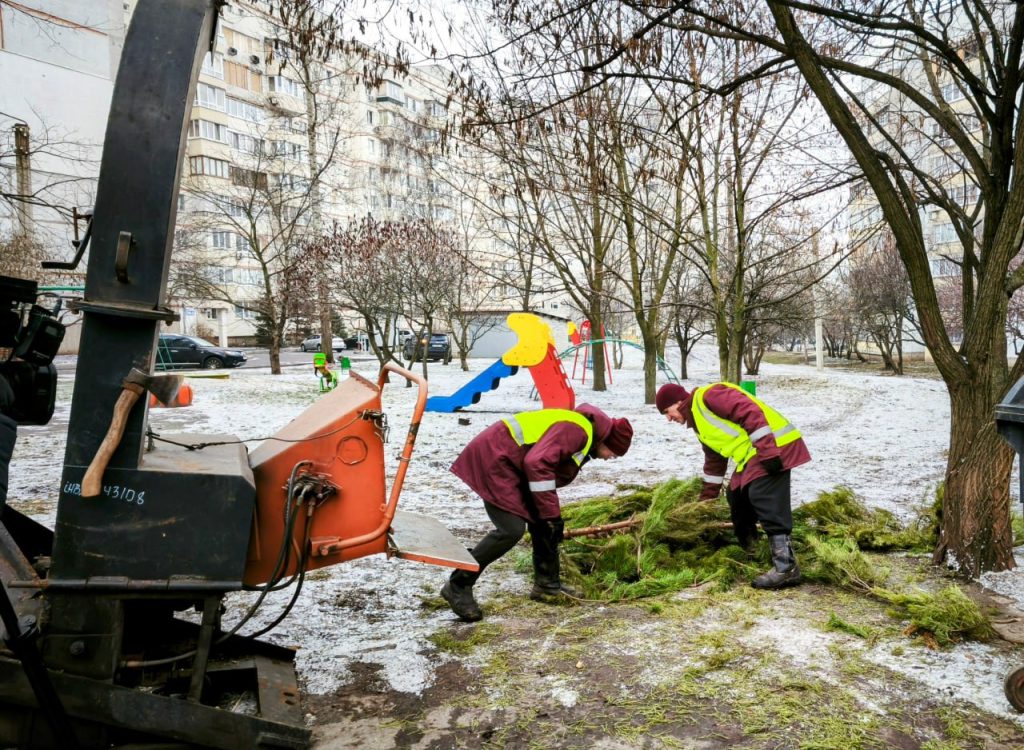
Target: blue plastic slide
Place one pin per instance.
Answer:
(470, 393)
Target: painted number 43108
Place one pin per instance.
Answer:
(113, 491)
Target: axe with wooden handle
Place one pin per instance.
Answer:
(164, 387)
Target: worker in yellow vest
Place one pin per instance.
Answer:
(734, 425)
(516, 466)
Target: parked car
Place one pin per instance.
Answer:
(440, 347)
(177, 352)
(312, 344)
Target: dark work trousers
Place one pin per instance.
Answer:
(508, 530)
(8, 435)
(765, 500)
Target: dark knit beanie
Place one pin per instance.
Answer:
(620, 437)
(669, 394)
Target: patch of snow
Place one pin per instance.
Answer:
(368, 611)
(969, 672)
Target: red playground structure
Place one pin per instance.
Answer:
(581, 336)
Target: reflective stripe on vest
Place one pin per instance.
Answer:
(527, 427)
(728, 438)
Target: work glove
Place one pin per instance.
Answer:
(772, 464)
(556, 529)
(710, 491)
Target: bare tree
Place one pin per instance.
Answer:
(255, 213)
(882, 300)
(924, 95)
(367, 257)
(431, 268)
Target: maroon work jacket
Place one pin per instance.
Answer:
(733, 405)
(500, 471)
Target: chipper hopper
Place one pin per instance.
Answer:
(112, 620)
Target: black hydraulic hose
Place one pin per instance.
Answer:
(298, 588)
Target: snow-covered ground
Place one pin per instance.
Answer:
(885, 437)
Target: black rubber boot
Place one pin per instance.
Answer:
(559, 594)
(785, 571)
(458, 592)
(547, 580)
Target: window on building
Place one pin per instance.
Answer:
(246, 143)
(181, 201)
(211, 131)
(236, 74)
(369, 117)
(241, 311)
(244, 110)
(242, 44)
(952, 92)
(218, 274)
(944, 267)
(390, 91)
(232, 208)
(220, 239)
(213, 65)
(210, 97)
(248, 178)
(944, 233)
(243, 248)
(208, 166)
(283, 85)
(291, 181)
(248, 276)
(210, 313)
(411, 104)
(965, 196)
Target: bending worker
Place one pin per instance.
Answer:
(516, 466)
(732, 424)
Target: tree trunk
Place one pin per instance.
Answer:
(275, 351)
(682, 341)
(597, 353)
(324, 306)
(650, 366)
(976, 528)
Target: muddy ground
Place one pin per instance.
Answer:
(698, 669)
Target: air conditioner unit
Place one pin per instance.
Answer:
(232, 51)
(272, 100)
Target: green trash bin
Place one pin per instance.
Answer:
(750, 386)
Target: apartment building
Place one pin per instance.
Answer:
(252, 191)
(246, 179)
(57, 63)
(933, 167)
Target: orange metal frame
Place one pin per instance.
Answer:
(336, 443)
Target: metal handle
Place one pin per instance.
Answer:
(414, 428)
(125, 243)
(403, 464)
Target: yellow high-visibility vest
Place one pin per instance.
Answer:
(728, 438)
(527, 427)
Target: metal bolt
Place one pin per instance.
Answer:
(77, 648)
